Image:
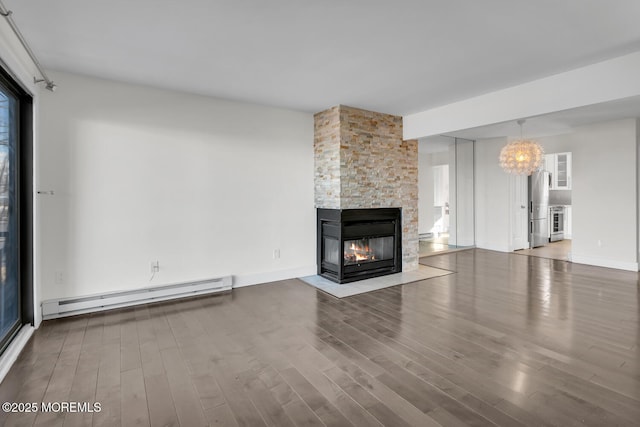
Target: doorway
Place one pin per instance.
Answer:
(557, 209)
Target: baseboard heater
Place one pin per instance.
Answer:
(52, 309)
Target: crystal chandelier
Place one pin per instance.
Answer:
(522, 156)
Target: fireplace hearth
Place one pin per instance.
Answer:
(357, 244)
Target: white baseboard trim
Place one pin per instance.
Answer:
(603, 262)
(12, 352)
(242, 280)
(491, 247)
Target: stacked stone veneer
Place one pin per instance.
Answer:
(361, 161)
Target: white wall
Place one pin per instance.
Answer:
(604, 191)
(492, 197)
(205, 186)
(558, 143)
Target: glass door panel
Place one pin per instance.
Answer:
(368, 249)
(9, 250)
(446, 208)
(464, 195)
(562, 171)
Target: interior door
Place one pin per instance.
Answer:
(519, 213)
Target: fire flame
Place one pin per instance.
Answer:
(359, 253)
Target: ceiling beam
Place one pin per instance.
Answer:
(602, 82)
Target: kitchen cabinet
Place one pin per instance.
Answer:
(563, 171)
(559, 167)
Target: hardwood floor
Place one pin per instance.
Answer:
(556, 250)
(508, 340)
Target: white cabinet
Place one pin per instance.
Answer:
(559, 167)
(563, 171)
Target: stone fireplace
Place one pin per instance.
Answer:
(362, 163)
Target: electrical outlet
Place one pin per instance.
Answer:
(276, 254)
(155, 266)
(59, 277)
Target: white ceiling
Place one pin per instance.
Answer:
(397, 57)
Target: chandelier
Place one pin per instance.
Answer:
(522, 156)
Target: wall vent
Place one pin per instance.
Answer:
(52, 309)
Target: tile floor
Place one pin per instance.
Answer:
(349, 289)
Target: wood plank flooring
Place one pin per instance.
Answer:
(507, 340)
(560, 250)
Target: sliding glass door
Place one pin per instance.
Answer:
(16, 306)
(9, 277)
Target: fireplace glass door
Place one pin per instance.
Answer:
(331, 251)
(369, 249)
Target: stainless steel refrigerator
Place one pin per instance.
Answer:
(539, 209)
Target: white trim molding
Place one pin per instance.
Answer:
(603, 262)
(242, 280)
(12, 352)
